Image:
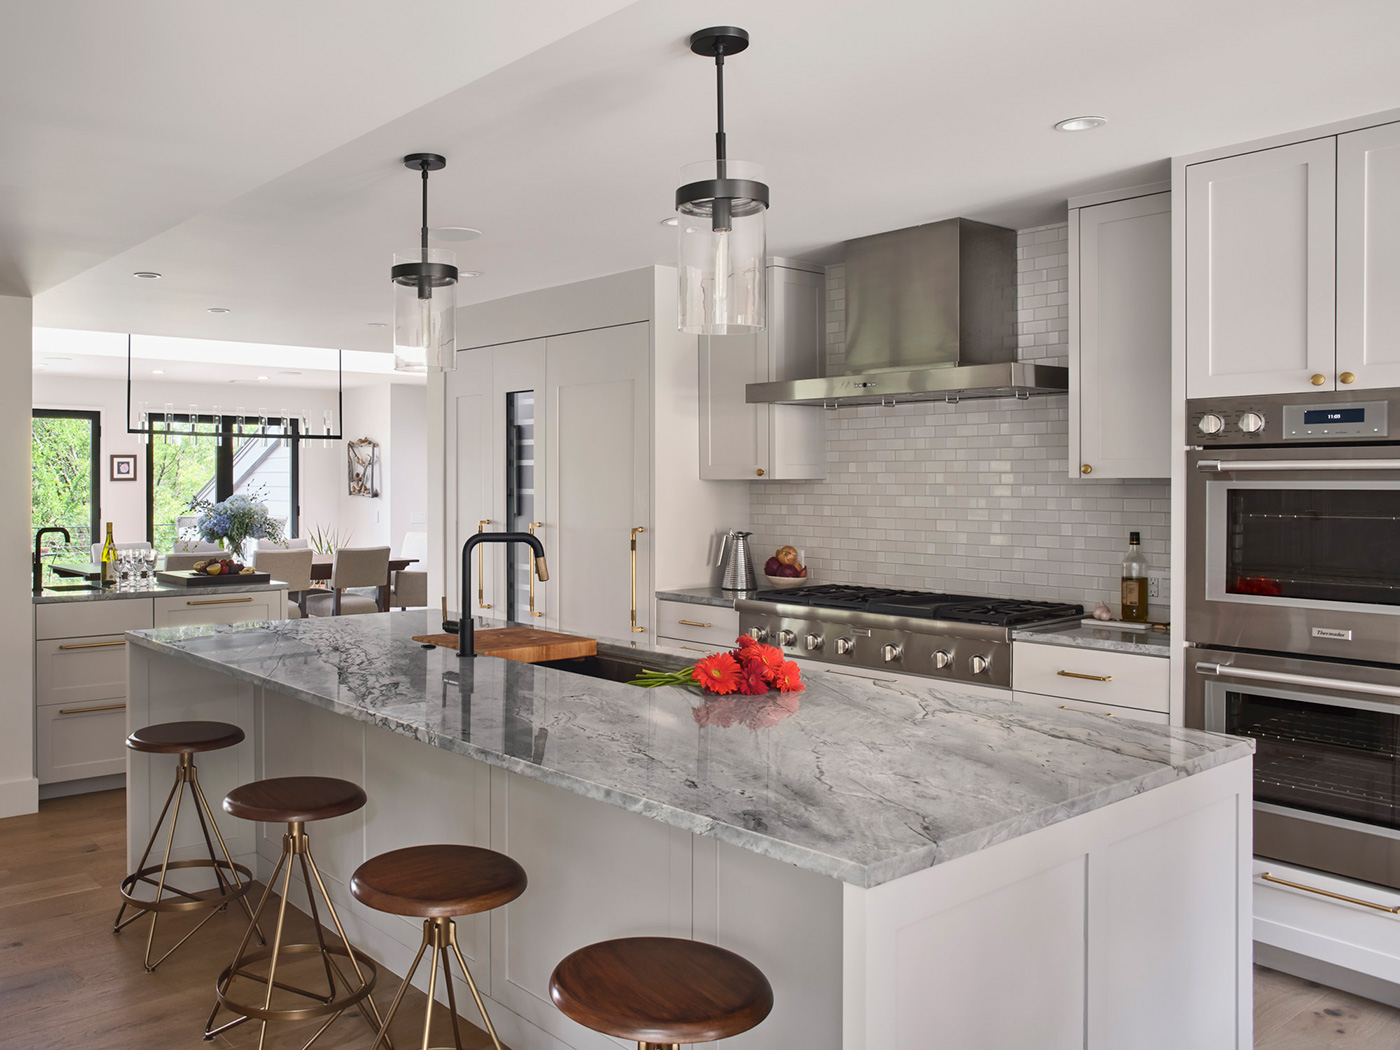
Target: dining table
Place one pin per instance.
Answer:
(321, 565)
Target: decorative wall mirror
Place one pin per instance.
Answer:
(363, 467)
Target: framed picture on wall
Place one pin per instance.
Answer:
(123, 468)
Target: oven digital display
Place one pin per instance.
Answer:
(1314, 416)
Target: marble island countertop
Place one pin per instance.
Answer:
(156, 590)
(862, 780)
(1079, 635)
(715, 596)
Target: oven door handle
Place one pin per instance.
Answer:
(1216, 466)
(1284, 678)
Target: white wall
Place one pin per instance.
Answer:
(19, 790)
(407, 461)
(124, 502)
(973, 497)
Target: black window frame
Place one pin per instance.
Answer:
(223, 469)
(94, 419)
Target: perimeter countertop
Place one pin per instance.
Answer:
(704, 596)
(1082, 636)
(857, 779)
(155, 590)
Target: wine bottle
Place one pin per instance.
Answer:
(1134, 592)
(109, 560)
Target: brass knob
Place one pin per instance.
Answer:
(1347, 377)
(1318, 379)
(759, 472)
(1086, 469)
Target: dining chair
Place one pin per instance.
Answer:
(194, 547)
(352, 567)
(177, 560)
(408, 588)
(293, 568)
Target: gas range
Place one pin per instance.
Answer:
(954, 636)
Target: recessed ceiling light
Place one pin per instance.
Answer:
(375, 324)
(147, 275)
(58, 360)
(671, 220)
(262, 379)
(289, 373)
(157, 371)
(455, 233)
(218, 309)
(1081, 123)
(470, 273)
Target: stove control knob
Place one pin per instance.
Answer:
(1210, 423)
(844, 646)
(1251, 422)
(786, 638)
(941, 658)
(980, 664)
(758, 634)
(814, 643)
(891, 653)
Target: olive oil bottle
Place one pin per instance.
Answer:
(1134, 592)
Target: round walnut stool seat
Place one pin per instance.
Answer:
(435, 883)
(294, 801)
(184, 740)
(661, 991)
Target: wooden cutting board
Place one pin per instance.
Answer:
(525, 645)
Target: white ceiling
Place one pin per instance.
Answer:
(273, 187)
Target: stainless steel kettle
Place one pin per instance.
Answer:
(738, 565)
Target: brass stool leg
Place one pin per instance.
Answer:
(117, 924)
(452, 940)
(366, 1006)
(398, 997)
(440, 935)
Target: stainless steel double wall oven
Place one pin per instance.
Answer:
(1293, 616)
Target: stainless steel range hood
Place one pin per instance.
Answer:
(930, 315)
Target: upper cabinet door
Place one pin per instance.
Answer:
(1121, 338)
(1368, 258)
(1261, 272)
(733, 434)
(467, 428)
(598, 415)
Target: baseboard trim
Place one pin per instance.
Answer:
(1330, 974)
(18, 797)
(63, 788)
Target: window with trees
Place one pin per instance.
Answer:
(67, 453)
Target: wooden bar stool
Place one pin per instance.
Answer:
(184, 739)
(294, 801)
(661, 991)
(435, 883)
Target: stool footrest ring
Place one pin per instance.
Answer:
(322, 1006)
(193, 902)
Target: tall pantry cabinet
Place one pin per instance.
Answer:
(575, 417)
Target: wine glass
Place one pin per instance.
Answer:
(148, 564)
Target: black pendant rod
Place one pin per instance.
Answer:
(721, 153)
(425, 284)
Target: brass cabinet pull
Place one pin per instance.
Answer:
(1086, 677)
(759, 472)
(694, 623)
(692, 649)
(1318, 379)
(1105, 714)
(635, 628)
(1086, 469)
(481, 567)
(1347, 377)
(533, 526)
(1328, 893)
(85, 710)
(220, 601)
(90, 645)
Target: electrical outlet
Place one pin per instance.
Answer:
(1154, 586)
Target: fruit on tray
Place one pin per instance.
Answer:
(784, 564)
(222, 567)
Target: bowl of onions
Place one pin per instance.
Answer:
(784, 571)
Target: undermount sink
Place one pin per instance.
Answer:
(613, 668)
(73, 587)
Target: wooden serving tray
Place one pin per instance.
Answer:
(185, 577)
(525, 645)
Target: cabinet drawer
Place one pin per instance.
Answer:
(710, 625)
(81, 740)
(83, 619)
(235, 607)
(76, 670)
(1096, 675)
(1090, 708)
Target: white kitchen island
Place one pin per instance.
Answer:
(913, 865)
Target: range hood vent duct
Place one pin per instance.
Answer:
(930, 315)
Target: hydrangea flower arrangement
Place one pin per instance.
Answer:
(232, 522)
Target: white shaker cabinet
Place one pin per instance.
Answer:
(1261, 272)
(1368, 258)
(1120, 337)
(739, 441)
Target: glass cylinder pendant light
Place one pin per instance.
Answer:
(721, 225)
(425, 296)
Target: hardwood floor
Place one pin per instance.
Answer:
(66, 981)
(1293, 1014)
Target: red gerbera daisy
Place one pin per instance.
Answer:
(717, 673)
(753, 681)
(767, 657)
(745, 641)
(788, 678)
